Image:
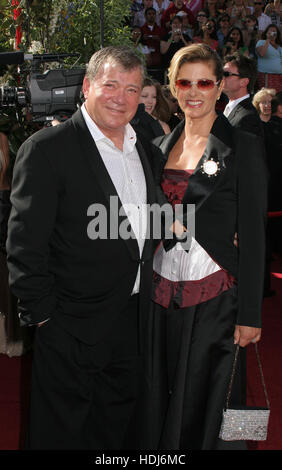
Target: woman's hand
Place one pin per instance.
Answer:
(244, 335)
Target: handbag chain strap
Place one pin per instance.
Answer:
(233, 374)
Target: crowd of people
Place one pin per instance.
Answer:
(252, 28)
(134, 334)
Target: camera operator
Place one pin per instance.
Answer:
(269, 53)
(174, 40)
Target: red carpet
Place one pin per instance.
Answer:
(15, 375)
(270, 348)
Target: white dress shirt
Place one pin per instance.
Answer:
(127, 175)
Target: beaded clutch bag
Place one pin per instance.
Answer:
(248, 423)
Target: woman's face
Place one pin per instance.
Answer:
(265, 105)
(224, 23)
(235, 35)
(197, 103)
(250, 24)
(149, 98)
(202, 17)
(209, 27)
(176, 25)
(272, 33)
(136, 34)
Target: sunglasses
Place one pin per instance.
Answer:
(203, 84)
(204, 16)
(230, 74)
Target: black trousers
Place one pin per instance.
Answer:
(85, 396)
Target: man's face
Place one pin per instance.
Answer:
(151, 17)
(258, 5)
(233, 85)
(112, 97)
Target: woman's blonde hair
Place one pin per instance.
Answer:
(260, 94)
(192, 54)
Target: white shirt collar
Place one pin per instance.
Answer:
(233, 103)
(97, 134)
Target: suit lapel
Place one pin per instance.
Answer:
(244, 104)
(219, 146)
(212, 166)
(102, 178)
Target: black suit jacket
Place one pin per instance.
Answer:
(245, 117)
(233, 200)
(56, 270)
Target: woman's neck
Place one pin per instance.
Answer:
(265, 117)
(199, 128)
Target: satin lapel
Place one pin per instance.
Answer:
(165, 144)
(244, 104)
(102, 177)
(233, 112)
(218, 148)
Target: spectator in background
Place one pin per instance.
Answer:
(186, 26)
(238, 13)
(152, 34)
(211, 9)
(262, 102)
(160, 6)
(139, 44)
(173, 41)
(139, 17)
(240, 76)
(223, 7)
(274, 10)
(250, 34)
(269, 55)
(224, 27)
(155, 103)
(208, 35)
(134, 8)
(174, 8)
(263, 20)
(201, 19)
(234, 42)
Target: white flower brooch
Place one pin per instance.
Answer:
(210, 167)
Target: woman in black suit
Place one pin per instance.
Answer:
(207, 296)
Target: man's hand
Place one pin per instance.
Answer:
(244, 335)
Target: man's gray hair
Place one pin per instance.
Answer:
(121, 55)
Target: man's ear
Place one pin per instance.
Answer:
(85, 87)
(244, 82)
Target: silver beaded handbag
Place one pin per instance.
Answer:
(248, 423)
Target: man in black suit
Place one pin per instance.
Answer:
(81, 263)
(240, 74)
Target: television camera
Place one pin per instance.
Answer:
(53, 94)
